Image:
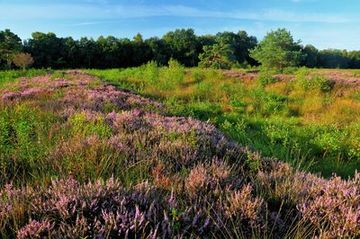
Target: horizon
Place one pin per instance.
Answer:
(332, 27)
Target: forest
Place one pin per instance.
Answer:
(183, 45)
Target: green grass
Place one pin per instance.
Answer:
(87, 132)
(304, 121)
(307, 122)
(11, 75)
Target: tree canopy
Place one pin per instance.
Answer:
(217, 56)
(10, 44)
(277, 50)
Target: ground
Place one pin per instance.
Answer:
(81, 157)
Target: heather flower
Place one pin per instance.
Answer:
(32, 92)
(128, 120)
(200, 183)
(35, 229)
(207, 178)
(196, 180)
(334, 207)
(10, 96)
(241, 204)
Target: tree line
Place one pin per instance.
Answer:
(222, 50)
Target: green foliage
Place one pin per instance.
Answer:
(11, 75)
(198, 76)
(217, 56)
(266, 103)
(23, 141)
(315, 83)
(266, 78)
(171, 76)
(151, 72)
(277, 50)
(240, 44)
(10, 44)
(311, 58)
(176, 71)
(258, 115)
(183, 46)
(81, 125)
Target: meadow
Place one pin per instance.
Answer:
(174, 152)
(309, 118)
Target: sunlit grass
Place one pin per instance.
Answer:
(310, 99)
(74, 151)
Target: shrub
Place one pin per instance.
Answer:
(266, 78)
(171, 76)
(217, 56)
(151, 73)
(23, 60)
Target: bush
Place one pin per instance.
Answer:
(171, 76)
(22, 60)
(217, 56)
(266, 78)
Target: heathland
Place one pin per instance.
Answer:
(214, 136)
(179, 152)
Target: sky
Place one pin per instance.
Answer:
(322, 23)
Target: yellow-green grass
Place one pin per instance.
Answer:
(307, 120)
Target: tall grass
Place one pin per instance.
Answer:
(80, 159)
(307, 118)
(11, 75)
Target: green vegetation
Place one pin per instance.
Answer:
(278, 50)
(217, 56)
(79, 157)
(222, 50)
(12, 75)
(308, 121)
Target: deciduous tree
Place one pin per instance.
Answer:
(22, 60)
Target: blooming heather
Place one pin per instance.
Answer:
(123, 169)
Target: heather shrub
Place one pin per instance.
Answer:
(333, 208)
(224, 95)
(107, 209)
(87, 160)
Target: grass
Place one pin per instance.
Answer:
(79, 158)
(309, 121)
(11, 75)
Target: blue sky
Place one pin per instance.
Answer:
(323, 23)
